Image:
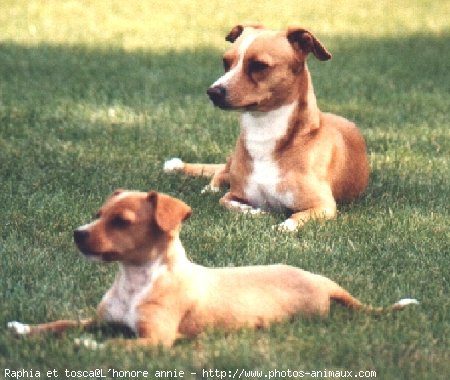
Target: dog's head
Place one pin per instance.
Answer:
(263, 68)
(131, 227)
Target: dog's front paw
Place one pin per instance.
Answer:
(90, 344)
(289, 225)
(173, 165)
(210, 189)
(18, 328)
(244, 208)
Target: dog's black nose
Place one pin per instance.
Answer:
(80, 236)
(217, 94)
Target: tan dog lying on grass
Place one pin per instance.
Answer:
(289, 156)
(161, 295)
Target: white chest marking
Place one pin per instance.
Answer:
(261, 132)
(132, 284)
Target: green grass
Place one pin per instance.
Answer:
(96, 95)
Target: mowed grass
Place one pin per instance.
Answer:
(96, 95)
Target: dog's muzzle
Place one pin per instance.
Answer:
(80, 236)
(218, 95)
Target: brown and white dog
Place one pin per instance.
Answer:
(289, 156)
(161, 295)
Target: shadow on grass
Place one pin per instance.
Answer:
(42, 76)
(51, 90)
(361, 70)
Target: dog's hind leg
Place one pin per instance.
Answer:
(56, 327)
(197, 170)
(221, 178)
(220, 173)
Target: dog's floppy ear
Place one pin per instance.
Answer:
(234, 33)
(117, 192)
(305, 41)
(169, 212)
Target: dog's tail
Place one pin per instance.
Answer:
(343, 297)
(199, 170)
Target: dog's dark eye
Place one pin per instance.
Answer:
(97, 215)
(257, 66)
(119, 222)
(226, 64)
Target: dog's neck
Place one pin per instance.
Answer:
(133, 276)
(135, 281)
(306, 117)
(300, 116)
(170, 254)
(266, 127)
(176, 254)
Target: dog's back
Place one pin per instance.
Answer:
(255, 296)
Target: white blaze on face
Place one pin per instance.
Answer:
(86, 227)
(117, 197)
(226, 78)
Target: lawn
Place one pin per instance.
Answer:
(96, 95)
